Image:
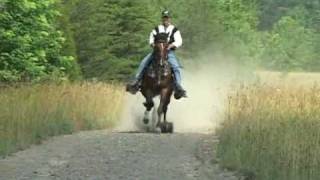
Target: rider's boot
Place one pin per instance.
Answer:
(179, 92)
(133, 87)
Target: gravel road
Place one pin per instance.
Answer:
(103, 155)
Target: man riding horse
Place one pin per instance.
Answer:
(175, 41)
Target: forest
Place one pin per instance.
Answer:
(60, 40)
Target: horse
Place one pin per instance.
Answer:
(158, 80)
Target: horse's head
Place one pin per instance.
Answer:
(160, 49)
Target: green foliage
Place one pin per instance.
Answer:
(69, 46)
(240, 37)
(106, 39)
(30, 46)
(111, 36)
(271, 11)
(291, 46)
(198, 22)
(292, 40)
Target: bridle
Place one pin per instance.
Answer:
(161, 46)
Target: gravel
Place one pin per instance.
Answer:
(105, 155)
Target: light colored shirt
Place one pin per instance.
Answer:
(177, 35)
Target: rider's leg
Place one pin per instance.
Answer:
(176, 70)
(133, 87)
(144, 63)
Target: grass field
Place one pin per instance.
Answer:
(29, 114)
(272, 129)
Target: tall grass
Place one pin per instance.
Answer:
(272, 133)
(29, 114)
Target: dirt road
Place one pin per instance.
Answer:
(112, 156)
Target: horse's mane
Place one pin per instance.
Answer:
(161, 38)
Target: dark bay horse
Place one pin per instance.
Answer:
(158, 80)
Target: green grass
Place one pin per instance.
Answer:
(272, 132)
(29, 114)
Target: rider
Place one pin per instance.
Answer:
(175, 41)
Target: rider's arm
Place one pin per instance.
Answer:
(151, 38)
(177, 39)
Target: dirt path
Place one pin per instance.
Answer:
(105, 155)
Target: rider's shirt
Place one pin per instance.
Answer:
(177, 39)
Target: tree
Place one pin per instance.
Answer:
(69, 46)
(30, 44)
(111, 36)
(291, 46)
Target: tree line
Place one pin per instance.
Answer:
(106, 39)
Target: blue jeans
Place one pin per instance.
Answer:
(173, 61)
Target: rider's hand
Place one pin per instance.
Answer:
(171, 46)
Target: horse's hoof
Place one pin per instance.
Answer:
(163, 128)
(169, 127)
(157, 130)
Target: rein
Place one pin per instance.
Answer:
(160, 58)
(161, 52)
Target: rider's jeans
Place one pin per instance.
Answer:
(172, 60)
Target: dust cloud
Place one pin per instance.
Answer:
(206, 82)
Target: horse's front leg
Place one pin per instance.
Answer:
(149, 105)
(160, 115)
(163, 107)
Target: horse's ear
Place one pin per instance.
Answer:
(161, 37)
